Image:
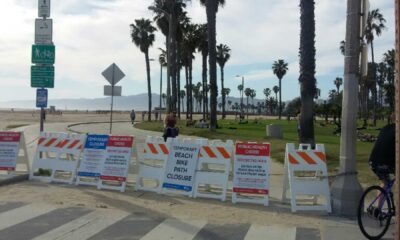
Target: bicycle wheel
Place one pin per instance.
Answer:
(374, 213)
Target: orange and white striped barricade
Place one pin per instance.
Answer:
(59, 153)
(216, 155)
(180, 168)
(251, 173)
(306, 174)
(115, 167)
(93, 156)
(152, 166)
(13, 153)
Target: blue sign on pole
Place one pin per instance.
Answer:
(41, 98)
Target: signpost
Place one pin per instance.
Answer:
(43, 31)
(43, 55)
(181, 167)
(42, 77)
(41, 98)
(113, 75)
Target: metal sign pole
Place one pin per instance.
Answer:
(112, 100)
(397, 111)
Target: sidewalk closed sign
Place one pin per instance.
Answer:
(9, 149)
(94, 155)
(181, 166)
(251, 168)
(118, 157)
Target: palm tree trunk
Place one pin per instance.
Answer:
(374, 95)
(307, 71)
(173, 53)
(280, 98)
(247, 108)
(161, 73)
(168, 104)
(204, 77)
(178, 77)
(187, 91)
(211, 10)
(148, 83)
(190, 86)
(223, 93)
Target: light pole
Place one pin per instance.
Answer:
(241, 96)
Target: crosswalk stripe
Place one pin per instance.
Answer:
(223, 232)
(176, 229)
(85, 226)
(24, 213)
(7, 206)
(270, 232)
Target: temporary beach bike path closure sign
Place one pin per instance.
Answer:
(94, 154)
(251, 172)
(9, 149)
(116, 164)
(180, 168)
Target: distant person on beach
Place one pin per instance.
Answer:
(133, 116)
(170, 129)
(143, 113)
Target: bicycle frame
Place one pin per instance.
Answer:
(388, 191)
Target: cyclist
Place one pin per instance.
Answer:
(169, 126)
(382, 159)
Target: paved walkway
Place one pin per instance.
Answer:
(142, 215)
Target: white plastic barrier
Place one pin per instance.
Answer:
(251, 173)
(152, 166)
(306, 174)
(59, 153)
(216, 155)
(13, 152)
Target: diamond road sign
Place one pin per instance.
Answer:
(43, 54)
(42, 77)
(113, 74)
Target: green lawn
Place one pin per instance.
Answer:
(255, 130)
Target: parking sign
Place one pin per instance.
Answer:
(41, 98)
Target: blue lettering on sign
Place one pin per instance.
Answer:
(88, 174)
(94, 141)
(177, 187)
(41, 98)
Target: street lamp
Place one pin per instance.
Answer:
(241, 97)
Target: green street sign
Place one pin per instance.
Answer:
(42, 77)
(43, 54)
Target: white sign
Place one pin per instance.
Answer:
(44, 8)
(181, 166)
(94, 155)
(113, 74)
(251, 168)
(9, 149)
(118, 157)
(43, 31)
(108, 90)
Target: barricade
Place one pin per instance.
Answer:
(251, 173)
(152, 166)
(213, 169)
(115, 167)
(180, 168)
(13, 153)
(306, 174)
(59, 153)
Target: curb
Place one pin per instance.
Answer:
(15, 179)
(88, 123)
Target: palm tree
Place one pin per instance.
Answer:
(280, 68)
(275, 89)
(142, 34)
(164, 98)
(229, 104)
(247, 92)
(223, 55)
(182, 95)
(374, 25)
(252, 96)
(338, 82)
(307, 71)
(211, 11)
(202, 46)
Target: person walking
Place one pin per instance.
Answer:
(133, 116)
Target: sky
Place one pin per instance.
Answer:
(89, 35)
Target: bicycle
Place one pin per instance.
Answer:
(375, 210)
